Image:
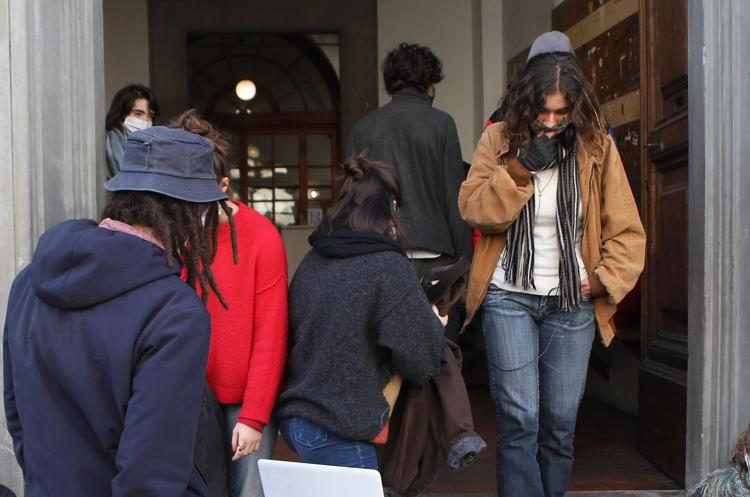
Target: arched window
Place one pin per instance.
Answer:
(286, 136)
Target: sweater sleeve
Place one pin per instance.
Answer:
(413, 335)
(155, 454)
(270, 318)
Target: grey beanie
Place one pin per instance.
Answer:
(550, 42)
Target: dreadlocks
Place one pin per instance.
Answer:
(191, 121)
(177, 224)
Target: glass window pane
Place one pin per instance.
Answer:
(258, 150)
(292, 102)
(286, 150)
(261, 199)
(318, 150)
(259, 177)
(286, 194)
(287, 213)
(286, 176)
(319, 176)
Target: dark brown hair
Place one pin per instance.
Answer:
(122, 104)
(544, 75)
(192, 121)
(365, 201)
(178, 225)
(411, 65)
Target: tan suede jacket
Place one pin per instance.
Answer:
(613, 245)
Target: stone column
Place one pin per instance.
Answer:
(719, 238)
(51, 135)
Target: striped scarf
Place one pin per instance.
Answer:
(518, 257)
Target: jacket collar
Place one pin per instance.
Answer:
(411, 93)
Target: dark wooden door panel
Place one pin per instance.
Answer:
(664, 121)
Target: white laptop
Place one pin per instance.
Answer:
(296, 479)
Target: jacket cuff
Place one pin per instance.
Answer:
(597, 289)
(518, 172)
(252, 423)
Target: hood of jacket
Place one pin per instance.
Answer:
(78, 265)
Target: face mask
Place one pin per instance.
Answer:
(538, 126)
(133, 124)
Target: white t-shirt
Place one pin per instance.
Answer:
(546, 252)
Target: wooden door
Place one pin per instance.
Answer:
(664, 333)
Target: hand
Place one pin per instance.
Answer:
(443, 319)
(585, 290)
(245, 440)
(541, 151)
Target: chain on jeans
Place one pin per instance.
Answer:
(546, 348)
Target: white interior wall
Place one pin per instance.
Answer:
(466, 36)
(126, 56)
(493, 60)
(523, 21)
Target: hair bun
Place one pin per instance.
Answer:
(356, 167)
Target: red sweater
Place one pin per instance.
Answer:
(248, 341)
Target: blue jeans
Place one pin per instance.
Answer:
(243, 477)
(537, 356)
(316, 445)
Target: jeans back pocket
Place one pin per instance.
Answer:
(308, 434)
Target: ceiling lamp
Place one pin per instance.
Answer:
(245, 90)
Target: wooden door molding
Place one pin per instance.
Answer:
(665, 184)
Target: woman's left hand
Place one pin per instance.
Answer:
(245, 440)
(585, 290)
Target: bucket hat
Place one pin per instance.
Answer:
(170, 161)
(550, 42)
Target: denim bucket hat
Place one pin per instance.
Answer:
(169, 161)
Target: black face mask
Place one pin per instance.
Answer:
(567, 137)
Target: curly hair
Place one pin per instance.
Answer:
(179, 226)
(411, 65)
(544, 75)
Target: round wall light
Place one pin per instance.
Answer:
(253, 151)
(245, 90)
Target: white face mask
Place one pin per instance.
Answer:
(133, 124)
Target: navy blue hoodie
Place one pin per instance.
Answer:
(104, 353)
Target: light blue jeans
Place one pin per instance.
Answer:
(243, 475)
(537, 356)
